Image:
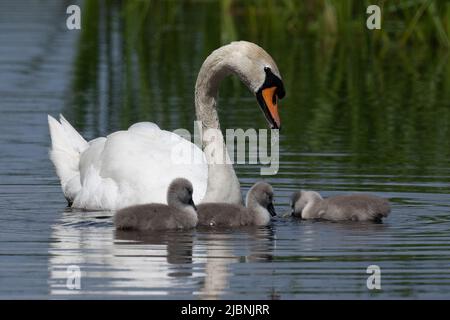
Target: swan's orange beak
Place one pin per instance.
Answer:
(268, 101)
(271, 101)
(267, 96)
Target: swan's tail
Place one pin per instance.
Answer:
(67, 145)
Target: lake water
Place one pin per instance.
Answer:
(353, 121)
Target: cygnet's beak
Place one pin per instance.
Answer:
(286, 214)
(271, 210)
(191, 202)
(296, 214)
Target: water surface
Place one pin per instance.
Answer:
(353, 121)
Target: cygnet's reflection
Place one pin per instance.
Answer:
(113, 262)
(176, 263)
(179, 246)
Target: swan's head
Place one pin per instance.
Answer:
(256, 69)
(267, 96)
(179, 193)
(259, 72)
(261, 193)
(300, 199)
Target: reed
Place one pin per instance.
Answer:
(404, 22)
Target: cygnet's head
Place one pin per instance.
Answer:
(262, 194)
(179, 193)
(300, 199)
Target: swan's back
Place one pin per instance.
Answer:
(153, 217)
(223, 215)
(136, 166)
(359, 207)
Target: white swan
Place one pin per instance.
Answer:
(135, 166)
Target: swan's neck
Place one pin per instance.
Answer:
(223, 184)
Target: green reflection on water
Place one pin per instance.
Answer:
(366, 102)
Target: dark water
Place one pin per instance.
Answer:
(353, 120)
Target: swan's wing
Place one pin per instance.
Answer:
(136, 166)
(144, 128)
(97, 192)
(76, 140)
(67, 146)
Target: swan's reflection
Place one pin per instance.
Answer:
(223, 248)
(169, 263)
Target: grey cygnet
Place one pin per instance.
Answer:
(258, 211)
(179, 213)
(353, 207)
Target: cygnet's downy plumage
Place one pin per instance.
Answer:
(179, 213)
(353, 207)
(258, 211)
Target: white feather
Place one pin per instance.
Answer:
(126, 168)
(67, 145)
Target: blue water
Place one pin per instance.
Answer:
(332, 152)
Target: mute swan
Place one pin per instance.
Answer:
(259, 208)
(179, 213)
(355, 207)
(134, 166)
